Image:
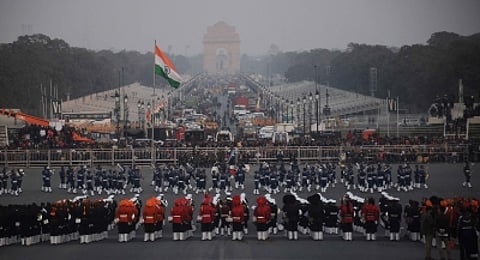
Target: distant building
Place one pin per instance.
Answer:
(221, 45)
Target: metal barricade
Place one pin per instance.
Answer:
(206, 156)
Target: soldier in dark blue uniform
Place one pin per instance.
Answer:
(62, 175)
(89, 182)
(70, 179)
(46, 176)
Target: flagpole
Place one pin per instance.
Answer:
(152, 115)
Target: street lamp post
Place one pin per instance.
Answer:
(116, 111)
(310, 98)
(327, 109)
(281, 110)
(291, 109)
(141, 114)
(317, 96)
(287, 104)
(125, 115)
(298, 112)
(304, 103)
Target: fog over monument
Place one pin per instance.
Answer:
(304, 25)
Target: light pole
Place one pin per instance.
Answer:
(169, 112)
(281, 110)
(310, 98)
(291, 109)
(287, 104)
(298, 112)
(125, 115)
(326, 109)
(141, 114)
(304, 103)
(317, 96)
(150, 120)
(117, 111)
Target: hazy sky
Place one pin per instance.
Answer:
(290, 24)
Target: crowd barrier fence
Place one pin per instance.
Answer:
(206, 156)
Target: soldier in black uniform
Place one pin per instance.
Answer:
(62, 174)
(4, 181)
(316, 214)
(70, 179)
(468, 175)
(46, 176)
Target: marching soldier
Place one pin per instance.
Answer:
(394, 211)
(238, 218)
(274, 214)
(316, 213)
(153, 215)
(468, 175)
(261, 216)
(46, 176)
(178, 218)
(291, 216)
(14, 182)
(126, 217)
(4, 181)
(412, 218)
(371, 214)
(62, 175)
(70, 179)
(206, 217)
(20, 175)
(346, 218)
(89, 181)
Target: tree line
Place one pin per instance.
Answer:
(414, 73)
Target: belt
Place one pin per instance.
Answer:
(149, 217)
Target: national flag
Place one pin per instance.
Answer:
(165, 68)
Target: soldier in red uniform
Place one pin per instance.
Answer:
(261, 216)
(346, 217)
(206, 216)
(238, 218)
(150, 218)
(126, 217)
(371, 214)
(177, 217)
(189, 208)
(162, 204)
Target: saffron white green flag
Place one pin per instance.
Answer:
(165, 68)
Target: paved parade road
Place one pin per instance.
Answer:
(445, 181)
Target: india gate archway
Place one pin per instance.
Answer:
(221, 49)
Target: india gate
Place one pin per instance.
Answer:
(221, 49)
